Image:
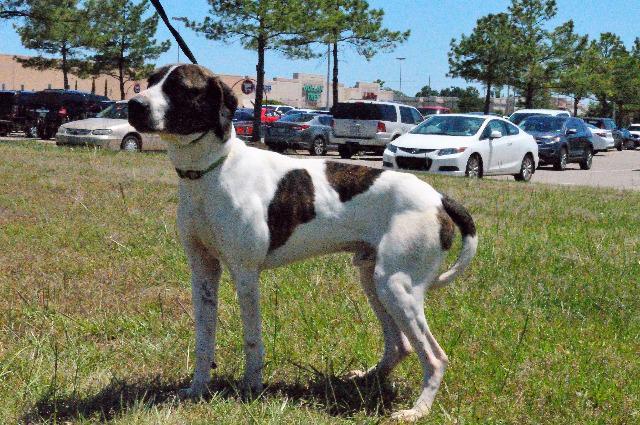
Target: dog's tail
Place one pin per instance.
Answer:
(467, 227)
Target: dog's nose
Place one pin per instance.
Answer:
(139, 113)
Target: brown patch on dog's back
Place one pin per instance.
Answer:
(446, 229)
(350, 180)
(291, 206)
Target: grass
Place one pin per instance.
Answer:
(96, 325)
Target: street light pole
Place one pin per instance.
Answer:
(401, 59)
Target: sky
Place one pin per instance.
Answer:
(433, 23)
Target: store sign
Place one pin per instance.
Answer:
(369, 96)
(313, 92)
(247, 86)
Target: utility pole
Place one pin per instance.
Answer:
(328, 71)
(401, 59)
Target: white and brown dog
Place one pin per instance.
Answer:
(251, 209)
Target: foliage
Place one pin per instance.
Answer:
(485, 55)
(468, 98)
(63, 32)
(354, 23)
(426, 91)
(122, 40)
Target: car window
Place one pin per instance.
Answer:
(405, 115)
(365, 111)
(512, 130)
(417, 116)
(325, 119)
(448, 125)
(494, 125)
(610, 125)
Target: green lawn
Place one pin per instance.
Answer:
(95, 309)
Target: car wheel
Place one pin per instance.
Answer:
(31, 131)
(130, 144)
(619, 146)
(318, 147)
(585, 164)
(561, 163)
(345, 152)
(277, 149)
(526, 169)
(474, 167)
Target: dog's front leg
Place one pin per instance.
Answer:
(205, 277)
(247, 286)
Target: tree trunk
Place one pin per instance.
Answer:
(106, 88)
(576, 100)
(121, 79)
(65, 70)
(528, 101)
(257, 107)
(335, 72)
(93, 85)
(487, 99)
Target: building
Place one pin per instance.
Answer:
(302, 90)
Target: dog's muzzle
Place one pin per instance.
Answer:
(140, 114)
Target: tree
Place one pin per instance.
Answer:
(11, 9)
(260, 25)
(427, 91)
(484, 55)
(468, 98)
(353, 23)
(605, 50)
(122, 40)
(63, 32)
(577, 80)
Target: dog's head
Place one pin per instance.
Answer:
(183, 100)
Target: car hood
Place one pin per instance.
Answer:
(96, 123)
(433, 141)
(544, 134)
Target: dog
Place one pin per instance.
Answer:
(250, 209)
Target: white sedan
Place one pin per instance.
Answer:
(600, 139)
(465, 145)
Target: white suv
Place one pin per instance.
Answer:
(364, 125)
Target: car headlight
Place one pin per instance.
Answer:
(62, 130)
(450, 151)
(101, 132)
(392, 148)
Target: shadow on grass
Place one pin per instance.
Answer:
(334, 395)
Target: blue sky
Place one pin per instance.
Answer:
(432, 23)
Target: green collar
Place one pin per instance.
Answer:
(196, 174)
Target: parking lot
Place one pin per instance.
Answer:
(611, 169)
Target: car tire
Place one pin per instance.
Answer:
(474, 167)
(619, 146)
(526, 169)
(31, 132)
(131, 143)
(561, 162)
(276, 149)
(345, 152)
(318, 147)
(585, 164)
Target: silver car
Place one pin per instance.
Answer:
(308, 131)
(109, 129)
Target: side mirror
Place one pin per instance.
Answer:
(572, 131)
(495, 134)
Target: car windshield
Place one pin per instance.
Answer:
(297, 118)
(447, 125)
(543, 124)
(116, 111)
(518, 117)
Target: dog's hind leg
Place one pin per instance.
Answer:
(247, 287)
(403, 298)
(205, 277)
(396, 345)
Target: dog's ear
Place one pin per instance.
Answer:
(227, 103)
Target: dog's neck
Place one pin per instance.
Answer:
(201, 154)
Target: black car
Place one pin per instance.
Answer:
(561, 140)
(55, 107)
(16, 112)
(627, 140)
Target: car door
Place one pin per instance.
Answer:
(493, 163)
(515, 148)
(575, 144)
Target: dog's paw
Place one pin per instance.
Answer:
(192, 392)
(357, 374)
(409, 415)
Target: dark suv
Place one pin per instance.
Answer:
(51, 108)
(16, 112)
(561, 140)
